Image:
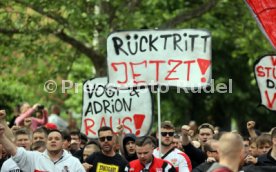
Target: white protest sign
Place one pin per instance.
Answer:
(265, 73)
(180, 58)
(106, 106)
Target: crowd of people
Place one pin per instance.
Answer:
(35, 142)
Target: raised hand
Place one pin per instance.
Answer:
(87, 166)
(28, 122)
(15, 128)
(2, 115)
(2, 130)
(36, 105)
(250, 125)
(185, 130)
(120, 129)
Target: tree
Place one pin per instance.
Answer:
(61, 40)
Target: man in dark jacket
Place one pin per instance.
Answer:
(107, 159)
(269, 159)
(211, 149)
(129, 147)
(197, 155)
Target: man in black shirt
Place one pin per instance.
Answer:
(106, 160)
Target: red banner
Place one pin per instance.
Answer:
(265, 14)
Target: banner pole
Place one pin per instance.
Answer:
(159, 121)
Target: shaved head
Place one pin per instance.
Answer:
(230, 145)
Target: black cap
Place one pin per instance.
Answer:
(129, 137)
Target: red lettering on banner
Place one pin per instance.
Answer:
(173, 67)
(273, 60)
(138, 122)
(269, 102)
(126, 121)
(125, 126)
(178, 62)
(110, 122)
(116, 69)
(267, 69)
(103, 123)
(88, 127)
(203, 65)
(134, 75)
(260, 71)
(157, 62)
(189, 68)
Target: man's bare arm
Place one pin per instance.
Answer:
(185, 135)
(7, 144)
(120, 129)
(8, 131)
(250, 128)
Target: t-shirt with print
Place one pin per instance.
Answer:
(10, 166)
(103, 163)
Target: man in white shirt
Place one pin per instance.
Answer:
(22, 139)
(177, 158)
(54, 158)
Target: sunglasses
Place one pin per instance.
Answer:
(164, 134)
(108, 138)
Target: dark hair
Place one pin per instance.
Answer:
(66, 136)
(263, 139)
(207, 147)
(167, 125)
(206, 125)
(245, 138)
(22, 131)
(75, 133)
(55, 130)
(37, 145)
(93, 142)
(105, 128)
(41, 130)
(83, 137)
(141, 141)
(273, 133)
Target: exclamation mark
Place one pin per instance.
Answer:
(203, 65)
(138, 122)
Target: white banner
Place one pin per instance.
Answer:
(104, 106)
(265, 73)
(180, 58)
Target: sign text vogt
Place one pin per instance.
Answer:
(106, 106)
